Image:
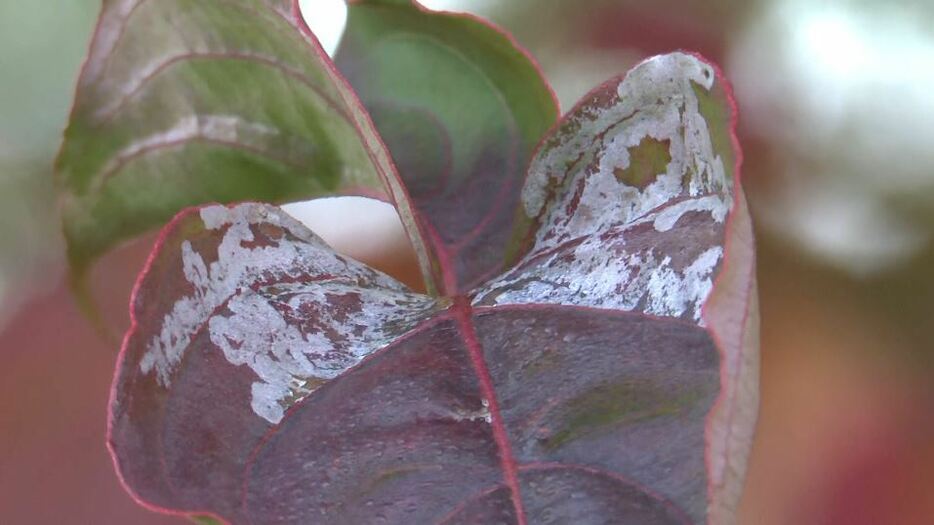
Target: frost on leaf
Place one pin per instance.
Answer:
(630, 198)
(267, 309)
(275, 298)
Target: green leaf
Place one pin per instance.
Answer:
(183, 102)
(205, 520)
(461, 107)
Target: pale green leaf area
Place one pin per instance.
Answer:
(184, 102)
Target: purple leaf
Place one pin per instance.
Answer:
(609, 376)
(461, 107)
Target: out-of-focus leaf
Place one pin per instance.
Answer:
(184, 102)
(610, 375)
(461, 107)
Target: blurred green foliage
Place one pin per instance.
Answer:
(42, 45)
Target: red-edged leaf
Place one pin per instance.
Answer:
(461, 107)
(182, 103)
(629, 199)
(415, 434)
(610, 376)
(636, 205)
(240, 313)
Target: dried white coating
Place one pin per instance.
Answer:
(574, 261)
(339, 311)
(671, 293)
(287, 357)
(666, 218)
(655, 100)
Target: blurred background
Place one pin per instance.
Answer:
(837, 125)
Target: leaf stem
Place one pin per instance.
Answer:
(462, 313)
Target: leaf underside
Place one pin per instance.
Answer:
(461, 109)
(608, 375)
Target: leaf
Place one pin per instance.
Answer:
(461, 107)
(609, 375)
(249, 277)
(184, 102)
(609, 234)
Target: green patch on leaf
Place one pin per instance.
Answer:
(646, 161)
(389, 476)
(610, 405)
(713, 106)
(204, 520)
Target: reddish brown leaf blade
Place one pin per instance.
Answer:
(411, 438)
(570, 494)
(617, 391)
(634, 268)
(399, 439)
(461, 107)
(241, 313)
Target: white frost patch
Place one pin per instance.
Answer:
(666, 218)
(582, 254)
(656, 101)
(671, 294)
(597, 277)
(286, 357)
